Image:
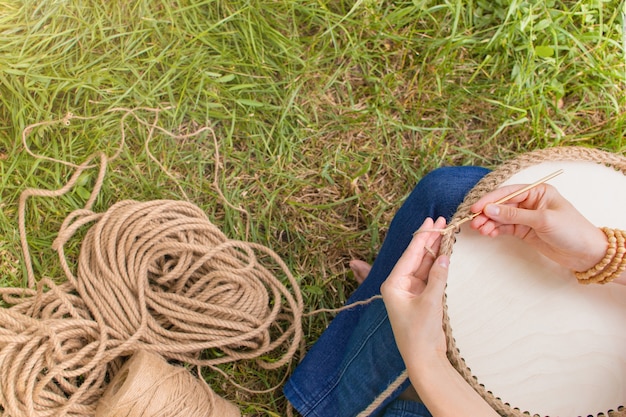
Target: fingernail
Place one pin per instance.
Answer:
(492, 210)
(443, 261)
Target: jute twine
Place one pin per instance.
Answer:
(488, 183)
(151, 278)
(148, 386)
(154, 276)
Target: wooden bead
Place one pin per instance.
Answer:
(613, 263)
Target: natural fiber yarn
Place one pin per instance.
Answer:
(159, 274)
(148, 386)
(155, 276)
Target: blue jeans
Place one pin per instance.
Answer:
(356, 358)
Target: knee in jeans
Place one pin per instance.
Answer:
(440, 177)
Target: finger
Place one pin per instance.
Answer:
(414, 254)
(432, 249)
(434, 239)
(504, 229)
(479, 220)
(509, 215)
(435, 236)
(422, 270)
(486, 227)
(498, 194)
(440, 223)
(437, 278)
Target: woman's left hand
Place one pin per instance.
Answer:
(413, 295)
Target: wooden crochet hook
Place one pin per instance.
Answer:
(453, 226)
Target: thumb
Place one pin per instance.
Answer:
(510, 215)
(437, 278)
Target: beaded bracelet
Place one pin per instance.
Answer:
(613, 263)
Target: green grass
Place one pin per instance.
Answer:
(326, 114)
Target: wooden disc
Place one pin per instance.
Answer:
(528, 331)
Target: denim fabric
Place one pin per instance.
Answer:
(402, 408)
(356, 358)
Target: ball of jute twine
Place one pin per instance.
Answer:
(488, 183)
(148, 386)
(153, 279)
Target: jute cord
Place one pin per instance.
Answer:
(152, 276)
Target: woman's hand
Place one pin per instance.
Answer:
(413, 296)
(545, 220)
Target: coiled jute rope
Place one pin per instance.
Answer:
(156, 279)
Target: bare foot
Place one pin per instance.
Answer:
(360, 269)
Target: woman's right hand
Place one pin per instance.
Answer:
(544, 219)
